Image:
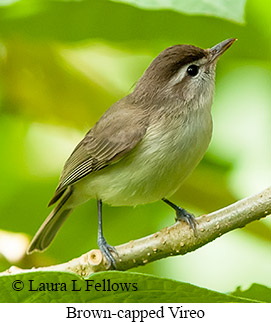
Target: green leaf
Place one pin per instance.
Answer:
(105, 287)
(133, 28)
(7, 2)
(255, 292)
(228, 9)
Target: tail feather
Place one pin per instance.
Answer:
(51, 225)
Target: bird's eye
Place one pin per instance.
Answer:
(192, 70)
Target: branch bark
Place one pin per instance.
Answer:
(177, 239)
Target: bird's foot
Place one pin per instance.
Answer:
(107, 250)
(189, 218)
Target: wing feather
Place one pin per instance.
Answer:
(116, 133)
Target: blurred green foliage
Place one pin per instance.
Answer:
(63, 63)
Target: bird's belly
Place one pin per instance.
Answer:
(154, 169)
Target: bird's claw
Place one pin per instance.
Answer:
(107, 251)
(189, 218)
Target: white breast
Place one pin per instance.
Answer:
(158, 165)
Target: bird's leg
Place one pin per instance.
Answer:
(105, 248)
(183, 215)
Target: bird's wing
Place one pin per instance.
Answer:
(116, 133)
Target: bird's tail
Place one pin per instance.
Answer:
(51, 225)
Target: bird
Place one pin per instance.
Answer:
(144, 146)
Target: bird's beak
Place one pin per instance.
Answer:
(216, 51)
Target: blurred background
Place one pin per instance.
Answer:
(63, 63)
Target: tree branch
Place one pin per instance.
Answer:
(177, 239)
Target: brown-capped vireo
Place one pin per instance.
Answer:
(145, 145)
